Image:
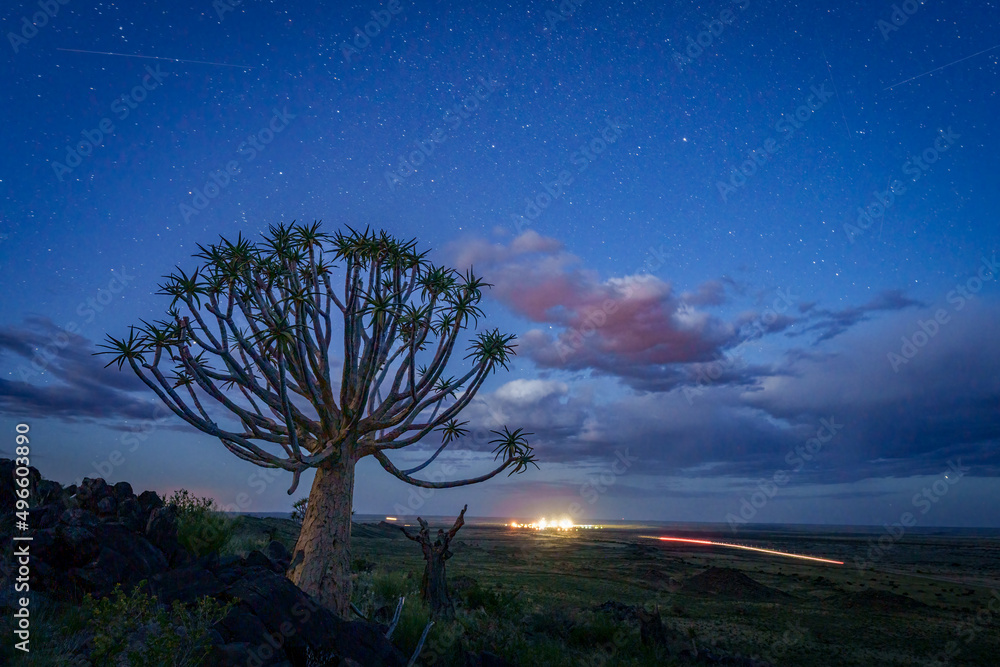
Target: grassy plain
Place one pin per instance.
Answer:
(535, 597)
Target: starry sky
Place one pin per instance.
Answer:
(748, 248)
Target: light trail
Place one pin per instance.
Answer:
(938, 69)
(136, 55)
(740, 546)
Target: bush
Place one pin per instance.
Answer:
(376, 589)
(201, 528)
(388, 587)
(136, 630)
(58, 636)
(495, 601)
(299, 510)
(595, 630)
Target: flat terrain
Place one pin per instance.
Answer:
(923, 600)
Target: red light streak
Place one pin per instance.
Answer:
(740, 546)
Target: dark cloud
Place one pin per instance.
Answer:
(57, 375)
(835, 322)
(749, 420)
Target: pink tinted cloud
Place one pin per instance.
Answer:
(614, 325)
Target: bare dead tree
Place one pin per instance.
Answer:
(434, 585)
(265, 315)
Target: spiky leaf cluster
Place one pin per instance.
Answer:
(252, 328)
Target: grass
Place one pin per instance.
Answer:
(532, 598)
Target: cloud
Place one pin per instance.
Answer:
(835, 322)
(633, 326)
(56, 375)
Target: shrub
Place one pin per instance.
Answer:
(201, 528)
(299, 510)
(388, 587)
(376, 589)
(495, 601)
(594, 630)
(137, 629)
(58, 636)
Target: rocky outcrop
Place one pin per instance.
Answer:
(89, 538)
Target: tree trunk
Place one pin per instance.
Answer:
(435, 584)
(321, 563)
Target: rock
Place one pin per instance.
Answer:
(72, 546)
(278, 555)
(130, 515)
(88, 539)
(257, 559)
(44, 516)
(124, 557)
(149, 501)
(161, 530)
(7, 485)
(107, 506)
(91, 492)
(78, 517)
(297, 623)
(122, 491)
(185, 584)
(47, 491)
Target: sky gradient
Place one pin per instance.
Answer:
(749, 249)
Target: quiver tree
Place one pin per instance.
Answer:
(434, 585)
(251, 331)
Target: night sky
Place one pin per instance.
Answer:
(749, 249)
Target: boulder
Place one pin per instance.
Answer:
(161, 530)
(91, 492)
(186, 584)
(278, 555)
(107, 506)
(122, 491)
(149, 501)
(89, 538)
(130, 515)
